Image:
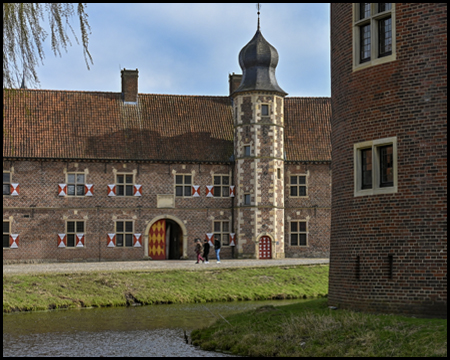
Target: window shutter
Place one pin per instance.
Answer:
(88, 190)
(137, 240)
(62, 240)
(195, 190)
(111, 240)
(209, 191)
(14, 241)
(232, 238)
(232, 187)
(137, 190)
(62, 189)
(209, 237)
(112, 190)
(80, 240)
(14, 190)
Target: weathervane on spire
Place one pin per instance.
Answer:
(258, 7)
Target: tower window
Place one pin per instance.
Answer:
(264, 110)
(373, 34)
(246, 199)
(247, 150)
(375, 167)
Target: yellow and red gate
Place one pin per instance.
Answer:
(157, 240)
(265, 248)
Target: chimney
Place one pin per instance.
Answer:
(235, 81)
(129, 85)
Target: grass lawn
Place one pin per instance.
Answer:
(312, 329)
(121, 288)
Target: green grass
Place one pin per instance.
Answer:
(121, 288)
(311, 329)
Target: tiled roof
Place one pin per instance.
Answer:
(98, 125)
(307, 131)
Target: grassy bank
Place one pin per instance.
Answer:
(99, 289)
(311, 329)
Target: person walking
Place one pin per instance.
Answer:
(198, 250)
(206, 247)
(217, 249)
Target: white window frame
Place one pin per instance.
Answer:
(374, 145)
(298, 232)
(305, 185)
(221, 185)
(75, 233)
(76, 183)
(124, 233)
(373, 19)
(183, 185)
(124, 184)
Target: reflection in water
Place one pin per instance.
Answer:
(135, 331)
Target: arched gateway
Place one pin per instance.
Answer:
(166, 239)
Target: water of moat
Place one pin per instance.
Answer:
(156, 330)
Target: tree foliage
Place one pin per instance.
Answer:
(24, 35)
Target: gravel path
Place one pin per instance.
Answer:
(148, 265)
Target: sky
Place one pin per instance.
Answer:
(190, 49)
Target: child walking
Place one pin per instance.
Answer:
(198, 250)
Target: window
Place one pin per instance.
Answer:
(183, 185)
(6, 233)
(247, 150)
(246, 199)
(278, 173)
(124, 233)
(6, 183)
(373, 34)
(375, 169)
(298, 186)
(75, 184)
(124, 184)
(221, 185)
(222, 232)
(299, 233)
(72, 229)
(264, 110)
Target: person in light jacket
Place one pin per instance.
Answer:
(198, 250)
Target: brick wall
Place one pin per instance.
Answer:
(39, 214)
(406, 99)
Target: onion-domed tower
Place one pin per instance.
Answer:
(258, 105)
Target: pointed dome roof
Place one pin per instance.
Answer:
(258, 60)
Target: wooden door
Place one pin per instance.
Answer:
(157, 240)
(265, 248)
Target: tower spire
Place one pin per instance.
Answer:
(258, 7)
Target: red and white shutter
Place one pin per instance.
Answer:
(80, 240)
(14, 241)
(209, 191)
(137, 190)
(195, 190)
(137, 240)
(62, 240)
(62, 189)
(232, 239)
(112, 190)
(232, 189)
(88, 190)
(14, 189)
(209, 237)
(111, 240)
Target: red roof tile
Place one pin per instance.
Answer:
(98, 125)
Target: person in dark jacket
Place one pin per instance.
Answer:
(217, 249)
(206, 251)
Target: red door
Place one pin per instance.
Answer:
(265, 248)
(157, 240)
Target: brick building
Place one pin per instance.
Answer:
(110, 176)
(389, 139)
